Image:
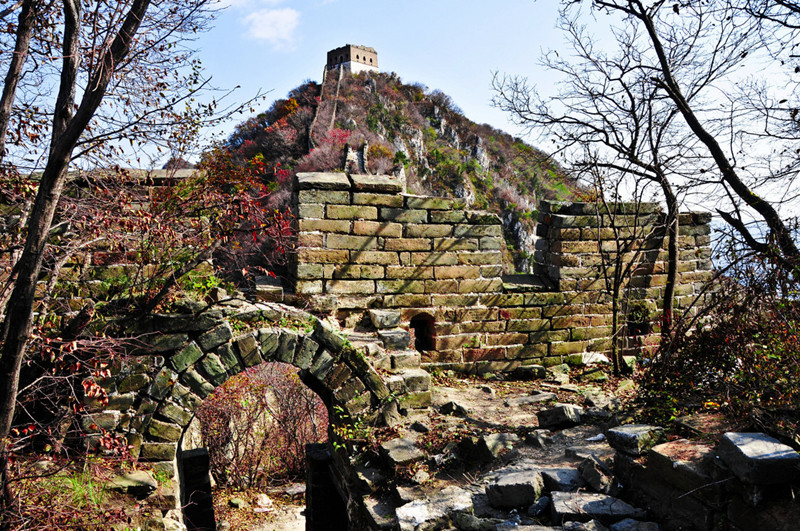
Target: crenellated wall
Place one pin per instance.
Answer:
(364, 244)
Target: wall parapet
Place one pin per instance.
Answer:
(363, 244)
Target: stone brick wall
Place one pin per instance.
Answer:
(365, 244)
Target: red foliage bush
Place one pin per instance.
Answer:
(257, 424)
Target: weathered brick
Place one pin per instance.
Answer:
(459, 341)
(310, 210)
(402, 215)
(525, 351)
(310, 239)
(413, 230)
(323, 256)
(400, 286)
(567, 347)
(480, 258)
(556, 233)
(323, 196)
(482, 326)
(323, 225)
(508, 338)
(490, 243)
(490, 271)
(350, 271)
(574, 321)
(378, 228)
(401, 272)
(563, 309)
(434, 203)
(482, 285)
(308, 287)
(480, 354)
(322, 181)
(408, 244)
(460, 272)
(351, 212)
(448, 216)
(441, 286)
(474, 231)
(580, 334)
(342, 241)
(407, 300)
(309, 271)
(377, 183)
(521, 313)
(455, 244)
(503, 299)
(437, 258)
(375, 257)
(527, 325)
(350, 286)
(455, 300)
(385, 200)
(548, 336)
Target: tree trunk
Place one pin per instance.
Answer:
(19, 315)
(27, 17)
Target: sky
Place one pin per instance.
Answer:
(453, 46)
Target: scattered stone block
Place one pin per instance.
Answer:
(425, 513)
(539, 438)
(757, 458)
(561, 416)
(395, 338)
(401, 451)
(598, 475)
(539, 507)
(416, 380)
(138, 483)
(635, 439)
(492, 446)
(600, 450)
(455, 409)
(529, 372)
(586, 506)
(515, 489)
(407, 359)
(561, 479)
(685, 465)
(383, 319)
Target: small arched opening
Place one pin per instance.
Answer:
(424, 328)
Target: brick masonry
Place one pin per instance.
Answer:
(365, 244)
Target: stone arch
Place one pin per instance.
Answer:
(424, 326)
(153, 394)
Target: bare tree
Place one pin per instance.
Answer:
(673, 98)
(124, 72)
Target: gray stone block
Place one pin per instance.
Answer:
(382, 319)
(561, 416)
(189, 354)
(395, 338)
(215, 337)
(400, 451)
(635, 439)
(515, 489)
(562, 479)
(585, 506)
(759, 459)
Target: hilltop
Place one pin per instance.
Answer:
(387, 126)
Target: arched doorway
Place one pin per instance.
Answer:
(424, 328)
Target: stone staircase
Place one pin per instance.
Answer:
(391, 354)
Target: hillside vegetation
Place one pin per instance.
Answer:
(393, 127)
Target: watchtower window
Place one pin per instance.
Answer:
(424, 332)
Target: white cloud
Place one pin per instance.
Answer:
(276, 26)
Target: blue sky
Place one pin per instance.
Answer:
(449, 45)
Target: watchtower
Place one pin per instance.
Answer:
(353, 59)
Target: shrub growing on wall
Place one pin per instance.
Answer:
(257, 424)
